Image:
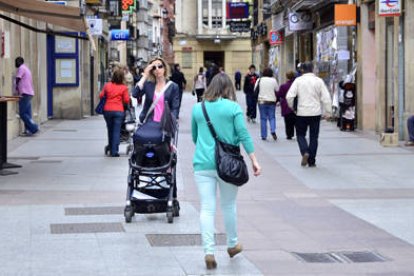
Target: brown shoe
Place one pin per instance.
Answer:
(210, 261)
(409, 144)
(305, 158)
(235, 250)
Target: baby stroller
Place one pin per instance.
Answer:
(152, 173)
(127, 130)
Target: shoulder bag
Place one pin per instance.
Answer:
(230, 164)
(100, 107)
(257, 89)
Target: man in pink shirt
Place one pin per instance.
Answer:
(24, 88)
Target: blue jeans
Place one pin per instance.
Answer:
(302, 124)
(114, 121)
(267, 113)
(251, 102)
(25, 112)
(207, 184)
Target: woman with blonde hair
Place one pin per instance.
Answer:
(152, 84)
(227, 118)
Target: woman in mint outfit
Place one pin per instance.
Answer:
(228, 120)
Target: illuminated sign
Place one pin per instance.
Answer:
(237, 10)
(128, 6)
(120, 35)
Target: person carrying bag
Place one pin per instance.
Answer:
(209, 174)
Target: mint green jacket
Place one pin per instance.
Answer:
(228, 121)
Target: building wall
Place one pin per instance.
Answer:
(409, 61)
(366, 77)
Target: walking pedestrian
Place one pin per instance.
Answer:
(312, 95)
(410, 127)
(248, 89)
(211, 72)
(117, 96)
(151, 85)
(25, 89)
(287, 113)
(199, 84)
(237, 79)
(268, 87)
(178, 77)
(227, 117)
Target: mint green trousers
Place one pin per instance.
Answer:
(207, 183)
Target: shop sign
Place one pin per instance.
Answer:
(300, 21)
(275, 38)
(120, 34)
(95, 26)
(345, 15)
(237, 10)
(240, 26)
(278, 21)
(389, 8)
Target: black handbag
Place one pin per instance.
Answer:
(100, 107)
(230, 164)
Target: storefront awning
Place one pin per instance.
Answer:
(65, 16)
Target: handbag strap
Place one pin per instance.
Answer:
(154, 103)
(210, 125)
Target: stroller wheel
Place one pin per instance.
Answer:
(128, 213)
(176, 208)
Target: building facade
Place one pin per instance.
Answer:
(207, 34)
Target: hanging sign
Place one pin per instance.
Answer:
(345, 15)
(275, 38)
(300, 21)
(389, 8)
(128, 6)
(120, 35)
(240, 26)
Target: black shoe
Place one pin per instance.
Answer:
(115, 155)
(312, 165)
(289, 138)
(274, 136)
(305, 158)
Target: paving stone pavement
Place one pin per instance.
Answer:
(359, 198)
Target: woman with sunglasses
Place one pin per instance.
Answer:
(151, 84)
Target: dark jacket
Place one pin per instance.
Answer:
(281, 96)
(179, 79)
(249, 82)
(171, 95)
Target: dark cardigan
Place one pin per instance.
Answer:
(171, 95)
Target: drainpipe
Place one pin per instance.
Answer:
(401, 79)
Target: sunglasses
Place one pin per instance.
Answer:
(159, 66)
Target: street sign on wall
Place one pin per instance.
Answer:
(275, 38)
(389, 8)
(240, 26)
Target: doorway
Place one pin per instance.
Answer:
(214, 57)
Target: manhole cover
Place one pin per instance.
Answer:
(316, 257)
(362, 257)
(94, 211)
(161, 240)
(83, 228)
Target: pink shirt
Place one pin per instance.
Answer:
(25, 85)
(159, 108)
